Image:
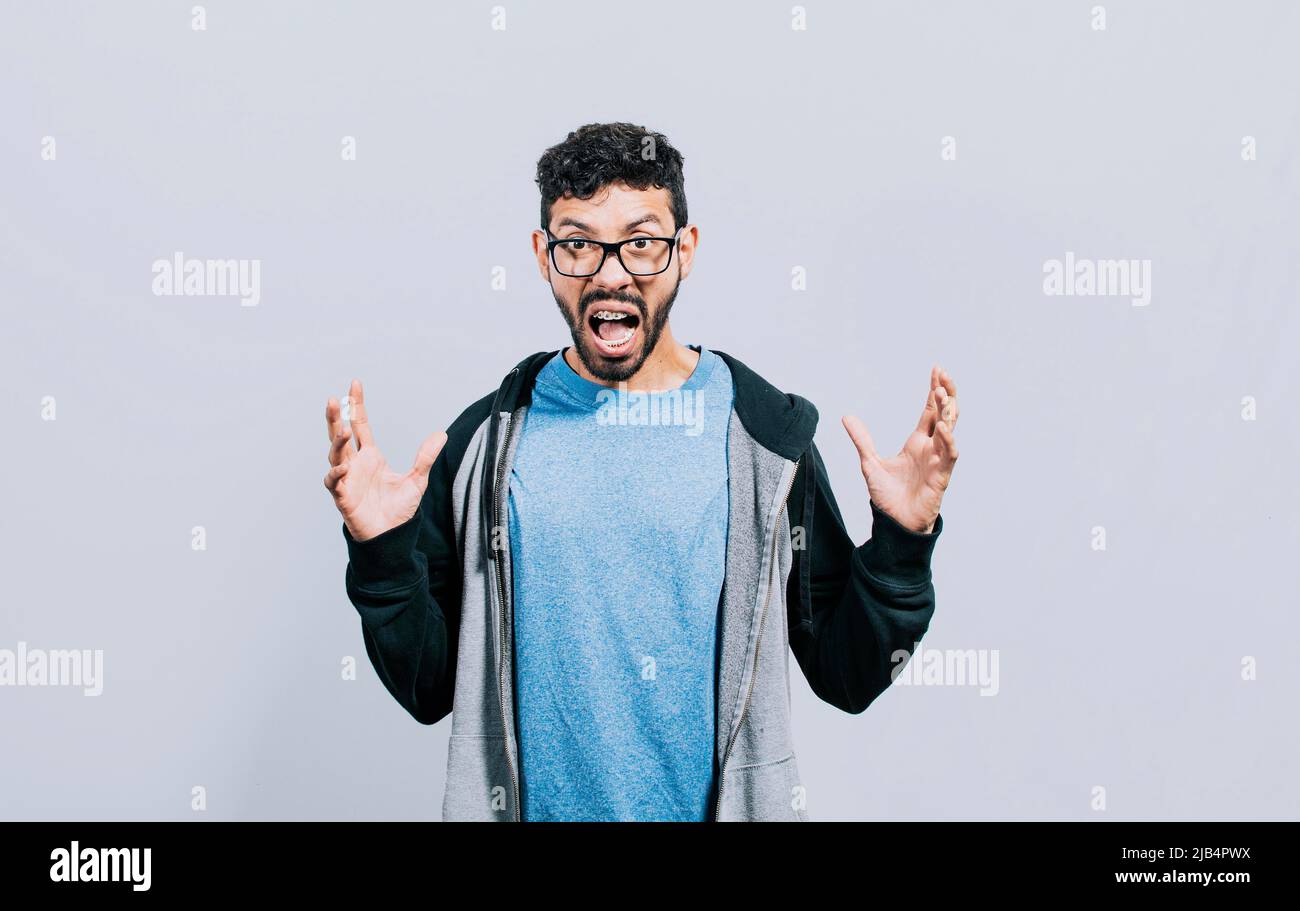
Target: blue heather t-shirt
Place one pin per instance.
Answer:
(618, 532)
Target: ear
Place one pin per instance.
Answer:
(686, 248)
(543, 260)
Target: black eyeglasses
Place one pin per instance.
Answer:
(582, 257)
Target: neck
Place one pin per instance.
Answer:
(669, 365)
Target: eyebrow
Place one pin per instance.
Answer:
(582, 226)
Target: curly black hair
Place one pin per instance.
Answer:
(598, 154)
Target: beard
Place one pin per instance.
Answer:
(613, 370)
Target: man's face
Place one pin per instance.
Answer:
(615, 317)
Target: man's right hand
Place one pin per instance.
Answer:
(371, 496)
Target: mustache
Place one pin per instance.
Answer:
(591, 299)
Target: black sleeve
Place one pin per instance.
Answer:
(406, 585)
(851, 608)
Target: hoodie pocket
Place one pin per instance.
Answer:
(479, 785)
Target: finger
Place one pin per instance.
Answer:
(360, 423)
(428, 452)
(333, 415)
(334, 475)
(949, 386)
(945, 445)
(930, 413)
(862, 440)
(339, 452)
(947, 406)
(947, 382)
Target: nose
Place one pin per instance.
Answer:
(612, 275)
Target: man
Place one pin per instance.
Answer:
(599, 567)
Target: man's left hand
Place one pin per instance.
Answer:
(910, 486)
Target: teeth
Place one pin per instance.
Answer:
(609, 314)
(627, 337)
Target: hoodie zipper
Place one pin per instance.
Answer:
(762, 622)
(501, 590)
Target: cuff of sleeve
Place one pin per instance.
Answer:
(388, 559)
(898, 555)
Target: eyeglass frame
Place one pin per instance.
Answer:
(607, 247)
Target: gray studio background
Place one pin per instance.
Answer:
(818, 148)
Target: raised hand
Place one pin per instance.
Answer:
(371, 496)
(910, 486)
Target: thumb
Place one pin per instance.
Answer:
(428, 453)
(862, 440)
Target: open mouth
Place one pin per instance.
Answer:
(613, 330)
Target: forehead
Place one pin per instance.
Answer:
(615, 205)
